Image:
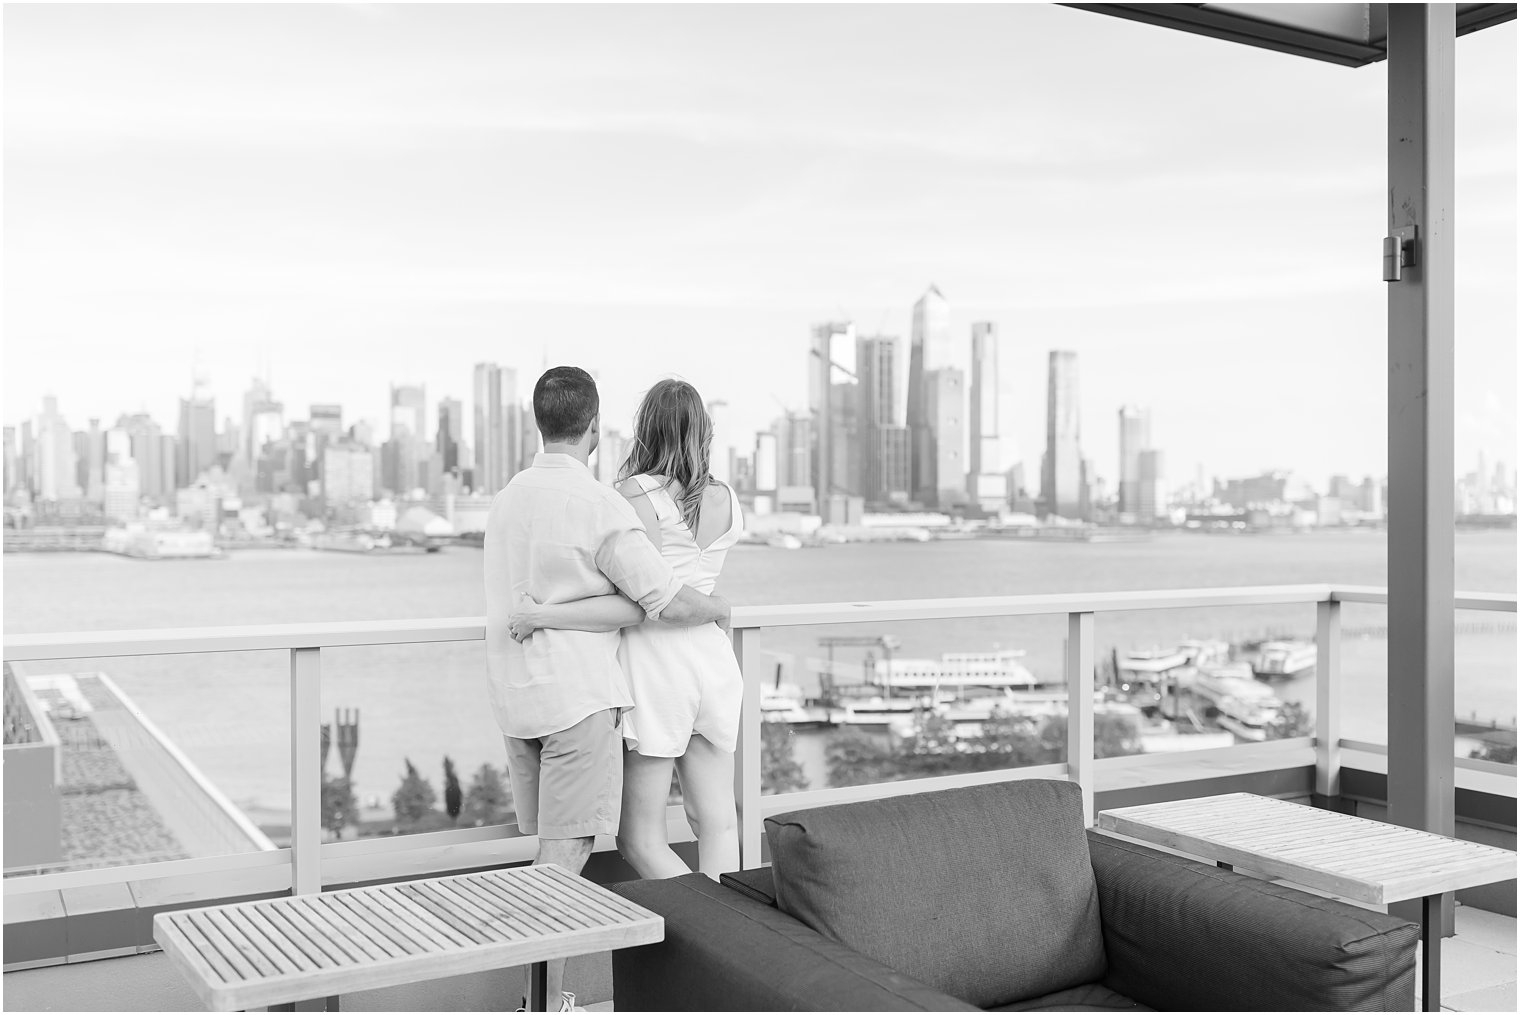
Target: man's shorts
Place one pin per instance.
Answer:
(569, 784)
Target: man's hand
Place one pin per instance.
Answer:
(525, 618)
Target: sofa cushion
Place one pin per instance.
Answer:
(985, 892)
(1088, 997)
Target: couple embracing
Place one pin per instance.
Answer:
(606, 662)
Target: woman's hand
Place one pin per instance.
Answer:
(526, 618)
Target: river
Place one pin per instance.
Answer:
(229, 712)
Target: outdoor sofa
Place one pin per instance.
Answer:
(996, 898)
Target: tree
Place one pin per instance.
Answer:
(414, 798)
(339, 809)
(488, 801)
(453, 797)
(1293, 720)
(779, 770)
(855, 759)
(1114, 736)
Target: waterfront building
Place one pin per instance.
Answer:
(147, 448)
(1134, 438)
(197, 449)
(93, 464)
(57, 474)
(1063, 486)
(932, 347)
(27, 479)
(985, 481)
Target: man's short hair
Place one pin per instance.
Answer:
(564, 404)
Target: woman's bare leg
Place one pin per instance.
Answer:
(707, 788)
(642, 837)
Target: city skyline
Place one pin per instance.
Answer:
(169, 201)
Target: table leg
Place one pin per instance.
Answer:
(538, 986)
(1430, 943)
(1224, 866)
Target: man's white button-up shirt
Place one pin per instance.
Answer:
(557, 534)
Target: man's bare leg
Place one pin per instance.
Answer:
(572, 855)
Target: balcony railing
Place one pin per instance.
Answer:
(309, 863)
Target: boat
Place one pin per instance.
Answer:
(1286, 660)
(1143, 675)
(784, 541)
(783, 703)
(1240, 704)
(361, 541)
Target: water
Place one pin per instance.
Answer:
(230, 711)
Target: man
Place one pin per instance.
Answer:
(558, 535)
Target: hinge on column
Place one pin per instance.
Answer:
(1399, 252)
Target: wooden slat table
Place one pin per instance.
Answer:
(1350, 857)
(254, 954)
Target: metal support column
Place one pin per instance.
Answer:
(1079, 707)
(1421, 404)
(1327, 700)
(306, 771)
(747, 756)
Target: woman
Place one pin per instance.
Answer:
(686, 683)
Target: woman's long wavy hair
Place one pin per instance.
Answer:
(672, 437)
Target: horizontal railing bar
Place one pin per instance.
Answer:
(1497, 602)
(275, 637)
(803, 615)
(253, 638)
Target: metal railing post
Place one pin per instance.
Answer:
(1327, 699)
(305, 771)
(747, 753)
(1079, 706)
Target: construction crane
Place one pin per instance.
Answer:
(886, 642)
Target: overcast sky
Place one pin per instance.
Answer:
(348, 196)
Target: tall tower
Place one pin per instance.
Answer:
(57, 462)
(831, 386)
(490, 429)
(946, 389)
(1134, 439)
(197, 439)
(450, 429)
(880, 366)
(984, 398)
(930, 350)
(1062, 481)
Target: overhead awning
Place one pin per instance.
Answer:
(1352, 35)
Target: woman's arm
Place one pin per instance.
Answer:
(598, 613)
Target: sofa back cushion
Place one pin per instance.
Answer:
(985, 892)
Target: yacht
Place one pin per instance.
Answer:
(1286, 660)
(1245, 706)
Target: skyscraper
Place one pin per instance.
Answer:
(1151, 503)
(1134, 439)
(450, 428)
(327, 420)
(880, 365)
(57, 467)
(832, 402)
(263, 419)
(490, 429)
(931, 349)
(1062, 484)
(155, 473)
(197, 439)
(946, 388)
(12, 460)
(986, 481)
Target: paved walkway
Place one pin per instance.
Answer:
(1478, 964)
